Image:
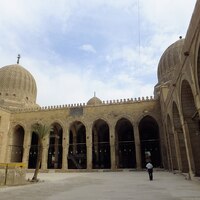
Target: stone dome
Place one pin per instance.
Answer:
(169, 61)
(17, 87)
(94, 101)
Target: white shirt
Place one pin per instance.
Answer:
(149, 166)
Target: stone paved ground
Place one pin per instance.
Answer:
(105, 186)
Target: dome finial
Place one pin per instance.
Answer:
(94, 94)
(94, 101)
(18, 57)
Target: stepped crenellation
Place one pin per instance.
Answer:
(107, 102)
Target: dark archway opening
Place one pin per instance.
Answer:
(191, 118)
(101, 145)
(17, 144)
(55, 147)
(150, 142)
(33, 153)
(125, 144)
(77, 154)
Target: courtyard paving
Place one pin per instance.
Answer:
(124, 185)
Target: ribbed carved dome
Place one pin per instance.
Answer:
(94, 101)
(17, 86)
(169, 61)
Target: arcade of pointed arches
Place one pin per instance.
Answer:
(183, 131)
(106, 149)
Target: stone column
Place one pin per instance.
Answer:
(137, 147)
(171, 166)
(188, 148)
(9, 147)
(178, 154)
(65, 143)
(167, 147)
(116, 149)
(25, 158)
(89, 147)
(96, 146)
(112, 148)
(64, 157)
(27, 146)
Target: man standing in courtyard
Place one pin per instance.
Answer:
(149, 167)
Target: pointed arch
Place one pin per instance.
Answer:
(55, 147)
(17, 144)
(33, 152)
(191, 118)
(125, 144)
(101, 145)
(150, 141)
(181, 142)
(77, 154)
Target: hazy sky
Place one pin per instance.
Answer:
(76, 47)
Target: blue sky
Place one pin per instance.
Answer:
(76, 47)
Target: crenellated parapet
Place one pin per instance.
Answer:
(131, 100)
(76, 105)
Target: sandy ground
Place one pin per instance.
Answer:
(105, 186)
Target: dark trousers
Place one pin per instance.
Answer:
(150, 171)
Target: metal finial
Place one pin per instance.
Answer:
(94, 94)
(18, 57)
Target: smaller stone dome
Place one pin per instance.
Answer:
(94, 101)
(169, 61)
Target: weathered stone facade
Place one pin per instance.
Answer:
(179, 94)
(85, 120)
(113, 134)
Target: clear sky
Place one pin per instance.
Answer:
(76, 47)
